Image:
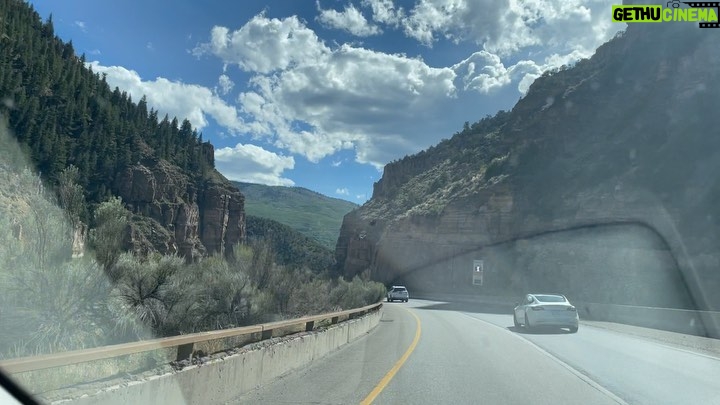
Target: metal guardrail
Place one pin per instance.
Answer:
(184, 343)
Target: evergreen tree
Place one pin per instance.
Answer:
(64, 114)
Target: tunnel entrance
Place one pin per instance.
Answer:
(620, 264)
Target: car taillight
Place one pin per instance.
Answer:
(538, 308)
(572, 309)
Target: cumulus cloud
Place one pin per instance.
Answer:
(353, 96)
(384, 11)
(506, 26)
(342, 191)
(350, 20)
(313, 99)
(225, 84)
(264, 45)
(484, 72)
(178, 99)
(253, 164)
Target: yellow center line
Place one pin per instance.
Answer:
(390, 374)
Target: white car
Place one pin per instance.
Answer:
(398, 293)
(546, 310)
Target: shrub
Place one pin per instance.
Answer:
(63, 308)
(320, 296)
(145, 289)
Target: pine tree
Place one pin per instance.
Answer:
(66, 114)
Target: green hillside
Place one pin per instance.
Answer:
(290, 247)
(312, 214)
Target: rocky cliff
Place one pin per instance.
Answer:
(178, 214)
(612, 160)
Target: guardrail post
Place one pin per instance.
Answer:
(266, 334)
(309, 326)
(334, 320)
(184, 352)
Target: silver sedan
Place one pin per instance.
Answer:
(546, 310)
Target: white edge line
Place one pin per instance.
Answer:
(577, 373)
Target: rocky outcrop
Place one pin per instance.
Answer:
(177, 214)
(222, 217)
(626, 137)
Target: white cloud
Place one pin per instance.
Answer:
(313, 99)
(149, 46)
(346, 97)
(384, 11)
(342, 191)
(225, 85)
(253, 164)
(350, 20)
(81, 25)
(264, 45)
(485, 72)
(482, 71)
(178, 99)
(507, 26)
(336, 163)
(94, 52)
(360, 196)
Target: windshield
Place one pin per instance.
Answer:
(550, 298)
(229, 202)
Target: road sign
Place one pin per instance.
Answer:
(478, 272)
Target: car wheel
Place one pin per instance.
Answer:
(527, 323)
(388, 300)
(573, 329)
(515, 322)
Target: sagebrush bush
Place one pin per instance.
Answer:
(324, 295)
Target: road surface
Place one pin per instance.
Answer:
(426, 352)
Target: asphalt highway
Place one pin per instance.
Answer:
(427, 352)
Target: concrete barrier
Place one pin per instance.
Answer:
(222, 379)
(698, 323)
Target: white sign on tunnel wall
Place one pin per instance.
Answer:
(478, 272)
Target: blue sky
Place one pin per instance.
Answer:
(322, 94)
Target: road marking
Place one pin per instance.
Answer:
(390, 374)
(568, 367)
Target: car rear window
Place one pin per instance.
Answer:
(399, 289)
(550, 298)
